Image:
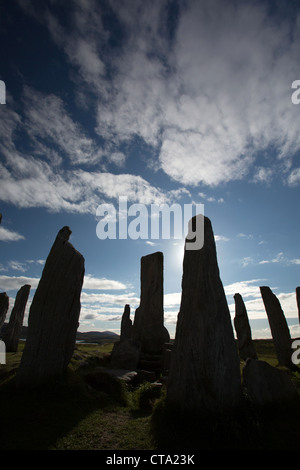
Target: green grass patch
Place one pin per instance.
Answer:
(79, 414)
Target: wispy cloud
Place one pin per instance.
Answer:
(207, 92)
(94, 283)
(7, 235)
(248, 288)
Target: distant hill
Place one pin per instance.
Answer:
(87, 337)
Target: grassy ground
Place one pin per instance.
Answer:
(76, 416)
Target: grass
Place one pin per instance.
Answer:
(116, 416)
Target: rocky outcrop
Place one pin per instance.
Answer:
(279, 327)
(148, 327)
(13, 330)
(243, 330)
(53, 316)
(266, 385)
(4, 304)
(204, 374)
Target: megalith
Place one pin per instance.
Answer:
(126, 324)
(279, 327)
(13, 330)
(204, 374)
(125, 353)
(149, 331)
(53, 315)
(243, 330)
(4, 304)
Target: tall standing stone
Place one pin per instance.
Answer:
(243, 330)
(298, 300)
(148, 327)
(13, 330)
(126, 324)
(4, 304)
(53, 316)
(204, 375)
(279, 327)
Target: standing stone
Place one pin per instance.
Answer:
(13, 330)
(298, 300)
(53, 316)
(148, 327)
(279, 327)
(126, 324)
(125, 353)
(266, 385)
(204, 375)
(243, 330)
(4, 304)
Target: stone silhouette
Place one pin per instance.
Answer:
(126, 324)
(53, 315)
(4, 304)
(13, 330)
(298, 300)
(204, 374)
(267, 385)
(125, 353)
(243, 330)
(279, 327)
(148, 327)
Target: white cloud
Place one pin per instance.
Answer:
(206, 97)
(263, 175)
(294, 177)
(110, 299)
(9, 283)
(245, 288)
(94, 283)
(17, 266)
(7, 235)
(221, 238)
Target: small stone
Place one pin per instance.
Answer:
(242, 327)
(13, 330)
(267, 385)
(279, 328)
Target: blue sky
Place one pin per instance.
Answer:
(185, 102)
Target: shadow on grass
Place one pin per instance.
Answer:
(36, 420)
(248, 429)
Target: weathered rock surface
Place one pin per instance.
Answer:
(53, 316)
(279, 327)
(204, 375)
(12, 332)
(4, 304)
(267, 385)
(243, 330)
(148, 327)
